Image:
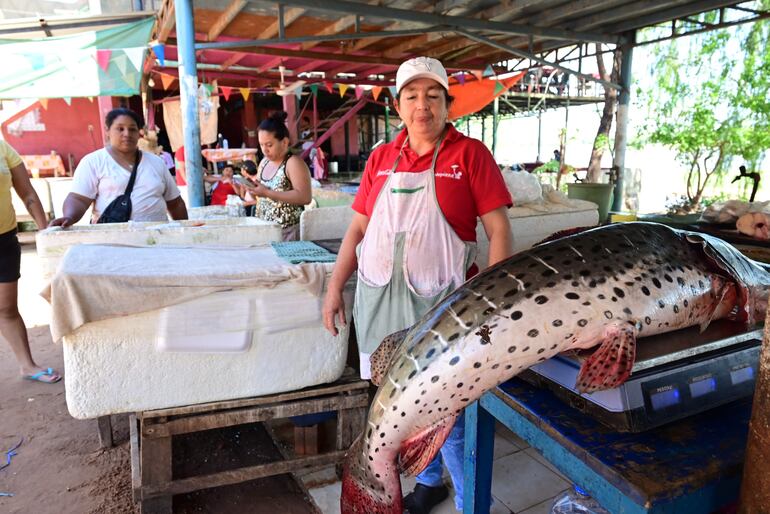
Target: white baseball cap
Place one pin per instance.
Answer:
(421, 68)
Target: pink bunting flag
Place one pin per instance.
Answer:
(226, 91)
(359, 92)
(103, 59)
(479, 74)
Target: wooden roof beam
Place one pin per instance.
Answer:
(166, 21)
(227, 16)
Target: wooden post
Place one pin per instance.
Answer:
(155, 455)
(755, 488)
(104, 423)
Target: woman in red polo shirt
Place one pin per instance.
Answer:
(415, 220)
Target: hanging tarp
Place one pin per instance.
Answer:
(473, 96)
(94, 63)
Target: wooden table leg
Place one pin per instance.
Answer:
(104, 424)
(155, 455)
(479, 449)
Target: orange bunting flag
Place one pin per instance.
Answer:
(226, 91)
(166, 80)
(245, 92)
(376, 90)
(44, 103)
(343, 88)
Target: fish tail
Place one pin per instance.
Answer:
(362, 493)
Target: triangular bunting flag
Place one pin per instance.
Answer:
(44, 103)
(461, 78)
(478, 74)
(103, 59)
(314, 89)
(488, 71)
(298, 92)
(329, 87)
(392, 90)
(67, 100)
(376, 90)
(359, 92)
(91, 99)
(226, 91)
(160, 52)
(130, 79)
(245, 92)
(498, 87)
(343, 88)
(121, 61)
(166, 80)
(136, 56)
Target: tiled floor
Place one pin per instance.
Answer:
(522, 482)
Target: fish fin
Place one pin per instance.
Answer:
(380, 359)
(418, 451)
(724, 307)
(610, 365)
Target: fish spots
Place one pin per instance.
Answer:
(541, 350)
(488, 311)
(412, 374)
(572, 296)
(557, 323)
(645, 290)
(627, 310)
(511, 349)
(686, 303)
(454, 360)
(680, 281)
(455, 336)
(433, 379)
(516, 315)
(619, 292)
(676, 309)
(656, 282)
(668, 277)
(430, 353)
(477, 365)
(582, 322)
(661, 304)
(608, 314)
(510, 292)
(540, 300)
(647, 320)
(533, 333)
(459, 385)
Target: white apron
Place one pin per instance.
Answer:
(409, 259)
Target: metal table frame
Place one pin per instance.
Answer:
(692, 466)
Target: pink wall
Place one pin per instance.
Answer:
(338, 138)
(69, 129)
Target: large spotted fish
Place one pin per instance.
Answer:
(607, 287)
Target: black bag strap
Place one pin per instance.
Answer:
(130, 186)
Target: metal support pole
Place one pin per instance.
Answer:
(346, 128)
(483, 129)
(539, 134)
(621, 119)
(495, 122)
(387, 120)
(188, 94)
(281, 25)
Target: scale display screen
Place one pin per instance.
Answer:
(665, 397)
(741, 374)
(702, 386)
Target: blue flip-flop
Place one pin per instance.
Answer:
(38, 377)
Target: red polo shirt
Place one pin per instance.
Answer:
(468, 181)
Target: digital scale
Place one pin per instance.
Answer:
(676, 374)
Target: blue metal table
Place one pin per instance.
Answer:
(690, 466)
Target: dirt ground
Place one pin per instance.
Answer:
(59, 467)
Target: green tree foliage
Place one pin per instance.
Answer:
(711, 100)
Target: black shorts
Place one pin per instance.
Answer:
(10, 257)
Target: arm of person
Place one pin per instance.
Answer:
(498, 229)
(334, 306)
(177, 208)
(212, 179)
(74, 207)
(301, 192)
(26, 192)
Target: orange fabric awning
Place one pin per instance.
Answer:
(475, 95)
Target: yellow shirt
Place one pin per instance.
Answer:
(8, 159)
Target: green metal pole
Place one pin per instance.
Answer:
(495, 121)
(387, 121)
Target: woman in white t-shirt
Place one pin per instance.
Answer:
(103, 175)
